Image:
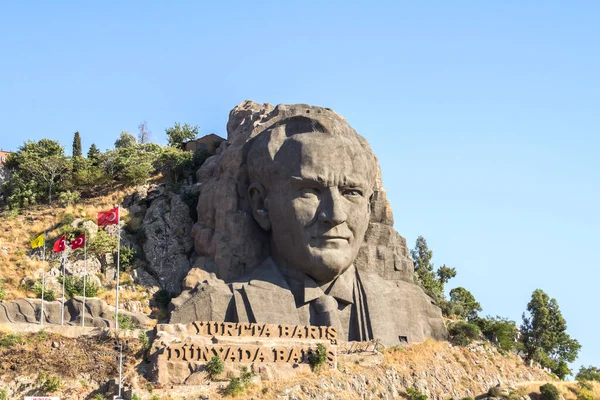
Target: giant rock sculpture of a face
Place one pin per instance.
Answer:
(316, 204)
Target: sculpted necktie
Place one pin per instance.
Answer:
(326, 310)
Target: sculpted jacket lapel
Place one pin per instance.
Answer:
(266, 297)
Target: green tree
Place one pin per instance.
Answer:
(465, 304)
(500, 331)
(588, 374)
(177, 134)
(93, 153)
(38, 168)
(426, 276)
(77, 145)
(544, 334)
(125, 139)
(173, 163)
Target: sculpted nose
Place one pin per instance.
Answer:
(332, 210)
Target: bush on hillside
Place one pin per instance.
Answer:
(2, 290)
(549, 392)
(463, 333)
(414, 394)
(214, 367)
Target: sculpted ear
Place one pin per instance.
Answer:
(258, 202)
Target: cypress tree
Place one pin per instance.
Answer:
(77, 145)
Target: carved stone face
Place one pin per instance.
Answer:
(317, 206)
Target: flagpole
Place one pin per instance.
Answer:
(84, 279)
(118, 263)
(62, 311)
(43, 278)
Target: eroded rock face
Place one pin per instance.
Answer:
(167, 225)
(292, 214)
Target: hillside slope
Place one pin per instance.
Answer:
(87, 365)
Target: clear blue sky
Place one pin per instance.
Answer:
(485, 115)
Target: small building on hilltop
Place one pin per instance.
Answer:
(208, 142)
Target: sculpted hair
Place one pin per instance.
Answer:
(261, 158)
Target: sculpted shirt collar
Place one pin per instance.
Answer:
(342, 287)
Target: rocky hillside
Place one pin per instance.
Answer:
(156, 246)
(44, 362)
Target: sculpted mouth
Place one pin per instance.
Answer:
(332, 238)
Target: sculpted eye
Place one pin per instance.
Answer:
(352, 192)
(309, 192)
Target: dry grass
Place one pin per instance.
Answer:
(568, 389)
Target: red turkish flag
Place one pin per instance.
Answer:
(60, 244)
(78, 242)
(110, 217)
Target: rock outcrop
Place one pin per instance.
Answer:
(97, 312)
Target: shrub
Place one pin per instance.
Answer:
(414, 394)
(2, 290)
(235, 387)
(463, 333)
(67, 219)
(135, 397)
(37, 291)
(126, 323)
(144, 341)
(10, 340)
(52, 384)
(214, 367)
(3, 395)
(74, 286)
(582, 395)
(67, 198)
(246, 376)
(549, 392)
(494, 391)
(99, 396)
(316, 359)
(127, 256)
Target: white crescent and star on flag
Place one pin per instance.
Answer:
(112, 216)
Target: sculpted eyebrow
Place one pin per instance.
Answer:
(320, 181)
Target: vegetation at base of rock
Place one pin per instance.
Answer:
(544, 335)
(463, 333)
(414, 394)
(144, 340)
(74, 286)
(3, 395)
(127, 256)
(499, 331)
(317, 358)
(49, 294)
(549, 392)
(2, 290)
(99, 396)
(214, 367)
(463, 304)
(126, 323)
